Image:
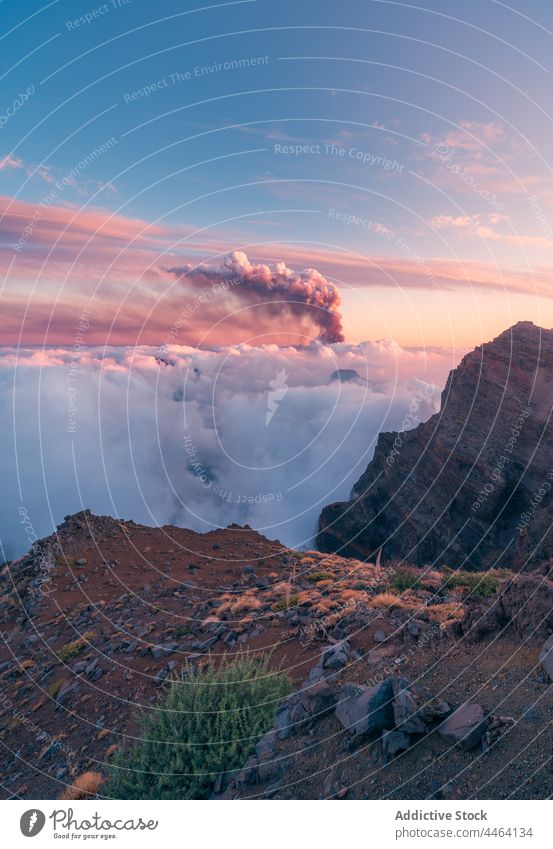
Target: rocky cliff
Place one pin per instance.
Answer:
(472, 486)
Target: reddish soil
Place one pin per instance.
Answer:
(87, 643)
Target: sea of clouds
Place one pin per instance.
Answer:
(200, 438)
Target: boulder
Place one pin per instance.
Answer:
(466, 726)
(394, 742)
(364, 711)
(302, 708)
(406, 709)
(317, 699)
(267, 747)
(336, 656)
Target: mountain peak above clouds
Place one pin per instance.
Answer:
(470, 487)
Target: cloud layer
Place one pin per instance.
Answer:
(185, 438)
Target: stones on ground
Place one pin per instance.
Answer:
(266, 764)
(300, 710)
(335, 786)
(374, 656)
(379, 636)
(414, 709)
(441, 791)
(332, 659)
(267, 746)
(394, 742)
(465, 726)
(546, 656)
(64, 691)
(413, 629)
(406, 709)
(336, 656)
(498, 725)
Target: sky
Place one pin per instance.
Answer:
(239, 240)
(402, 152)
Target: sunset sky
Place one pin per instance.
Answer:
(402, 153)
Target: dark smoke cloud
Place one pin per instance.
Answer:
(306, 296)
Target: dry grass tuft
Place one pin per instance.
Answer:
(86, 786)
(387, 600)
(443, 613)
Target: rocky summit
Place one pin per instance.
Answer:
(472, 486)
(100, 617)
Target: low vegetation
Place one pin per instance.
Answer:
(74, 648)
(86, 786)
(485, 583)
(287, 603)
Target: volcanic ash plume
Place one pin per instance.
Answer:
(306, 296)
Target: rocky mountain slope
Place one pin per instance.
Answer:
(472, 485)
(407, 684)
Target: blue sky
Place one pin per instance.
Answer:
(384, 82)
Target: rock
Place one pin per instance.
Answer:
(336, 656)
(81, 561)
(274, 769)
(546, 656)
(317, 699)
(490, 410)
(157, 652)
(267, 746)
(204, 645)
(466, 726)
(334, 786)
(413, 629)
(394, 742)
(379, 636)
(249, 774)
(406, 709)
(364, 711)
(283, 721)
(316, 673)
(525, 606)
(64, 691)
(299, 711)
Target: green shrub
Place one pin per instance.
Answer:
(485, 583)
(403, 581)
(54, 687)
(315, 577)
(73, 649)
(208, 723)
(286, 604)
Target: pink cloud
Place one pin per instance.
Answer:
(10, 163)
(485, 227)
(120, 275)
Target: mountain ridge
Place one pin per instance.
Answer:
(472, 482)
